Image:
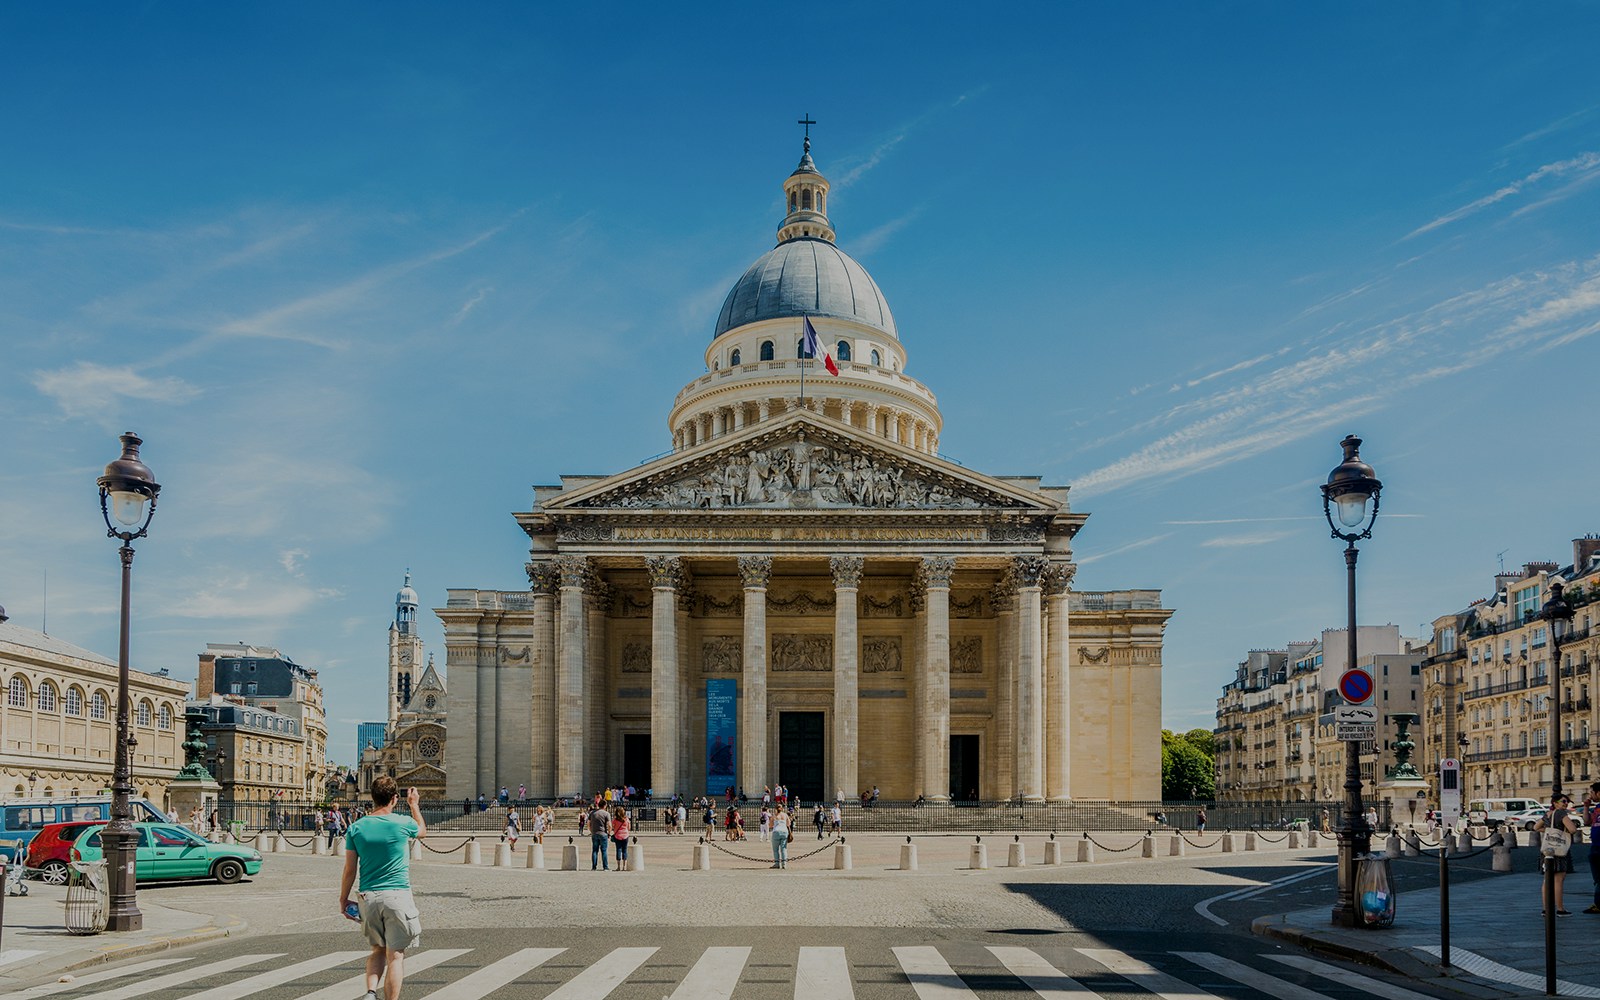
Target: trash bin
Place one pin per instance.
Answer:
(1375, 891)
(88, 897)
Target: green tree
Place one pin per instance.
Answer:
(1186, 765)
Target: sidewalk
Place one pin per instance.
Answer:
(1496, 935)
(36, 946)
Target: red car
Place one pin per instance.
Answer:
(51, 847)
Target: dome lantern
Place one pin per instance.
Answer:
(806, 193)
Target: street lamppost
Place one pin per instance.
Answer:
(1557, 613)
(128, 497)
(1350, 485)
(33, 778)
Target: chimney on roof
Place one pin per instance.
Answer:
(1533, 569)
(1504, 580)
(1583, 550)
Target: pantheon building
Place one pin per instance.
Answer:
(803, 591)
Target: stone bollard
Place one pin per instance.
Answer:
(1536, 839)
(908, 856)
(1052, 852)
(1391, 846)
(1086, 851)
(635, 855)
(265, 842)
(338, 847)
(569, 856)
(1479, 832)
(1508, 836)
(319, 845)
(1250, 840)
(1147, 846)
(502, 855)
(978, 857)
(536, 856)
(841, 857)
(702, 857)
(416, 850)
(1176, 848)
(471, 854)
(1016, 855)
(1294, 840)
(1411, 844)
(1501, 858)
(1230, 843)
(1464, 841)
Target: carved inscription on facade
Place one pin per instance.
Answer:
(721, 654)
(881, 655)
(966, 655)
(802, 653)
(636, 658)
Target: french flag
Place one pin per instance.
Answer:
(810, 348)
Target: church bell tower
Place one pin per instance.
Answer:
(405, 651)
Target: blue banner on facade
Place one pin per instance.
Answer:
(722, 734)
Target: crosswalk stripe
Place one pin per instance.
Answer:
(480, 983)
(931, 976)
(277, 977)
(599, 979)
(94, 977)
(1354, 980)
(11, 955)
(1478, 965)
(184, 977)
(1144, 975)
(1040, 976)
(1253, 978)
(714, 976)
(822, 974)
(355, 987)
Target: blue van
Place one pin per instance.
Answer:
(21, 819)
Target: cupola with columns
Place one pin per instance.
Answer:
(753, 365)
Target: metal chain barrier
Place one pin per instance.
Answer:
(1112, 850)
(1196, 845)
(451, 850)
(1269, 840)
(767, 861)
(290, 840)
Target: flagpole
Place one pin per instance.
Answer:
(802, 363)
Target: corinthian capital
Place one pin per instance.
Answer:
(574, 570)
(665, 571)
(755, 571)
(847, 571)
(1028, 569)
(542, 576)
(1058, 578)
(936, 571)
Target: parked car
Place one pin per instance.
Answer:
(1526, 819)
(168, 851)
(51, 849)
(20, 819)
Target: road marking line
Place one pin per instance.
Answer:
(1253, 978)
(1040, 976)
(277, 977)
(931, 976)
(1345, 977)
(822, 974)
(95, 977)
(16, 955)
(185, 977)
(599, 979)
(1204, 906)
(355, 987)
(714, 976)
(480, 983)
(1490, 969)
(1290, 880)
(1144, 975)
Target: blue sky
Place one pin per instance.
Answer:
(361, 275)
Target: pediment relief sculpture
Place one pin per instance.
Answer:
(722, 654)
(802, 653)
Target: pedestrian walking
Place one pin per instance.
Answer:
(377, 848)
(816, 819)
(541, 822)
(766, 824)
(1591, 808)
(780, 838)
(836, 819)
(683, 818)
(513, 827)
(1557, 821)
(619, 837)
(709, 818)
(599, 833)
(1200, 820)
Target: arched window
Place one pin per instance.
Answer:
(877, 358)
(74, 701)
(733, 359)
(843, 351)
(805, 199)
(164, 717)
(791, 201)
(143, 715)
(47, 697)
(766, 350)
(17, 692)
(98, 706)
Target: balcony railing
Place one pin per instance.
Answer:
(1581, 743)
(1495, 689)
(1513, 754)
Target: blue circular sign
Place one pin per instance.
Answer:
(1355, 686)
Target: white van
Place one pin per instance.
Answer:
(1493, 812)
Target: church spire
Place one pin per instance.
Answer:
(806, 193)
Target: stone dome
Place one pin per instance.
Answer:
(805, 276)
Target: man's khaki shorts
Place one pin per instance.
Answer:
(390, 920)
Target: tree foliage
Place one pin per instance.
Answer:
(1187, 770)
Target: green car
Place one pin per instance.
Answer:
(167, 850)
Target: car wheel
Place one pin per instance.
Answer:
(228, 871)
(53, 873)
(1530, 825)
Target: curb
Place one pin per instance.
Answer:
(1400, 961)
(116, 953)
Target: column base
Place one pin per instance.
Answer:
(1033, 799)
(1060, 798)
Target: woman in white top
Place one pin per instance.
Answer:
(766, 822)
(780, 838)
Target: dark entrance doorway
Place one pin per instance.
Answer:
(636, 760)
(964, 780)
(800, 755)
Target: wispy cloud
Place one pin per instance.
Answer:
(1130, 547)
(899, 135)
(1232, 369)
(247, 598)
(291, 560)
(90, 390)
(1583, 163)
(471, 304)
(1245, 520)
(1243, 541)
(874, 239)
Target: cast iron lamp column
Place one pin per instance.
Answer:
(131, 490)
(1350, 485)
(1558, 614)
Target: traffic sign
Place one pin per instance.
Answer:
(1347, 731)
(1355, 713)
(1356, 686)
(1449, 791)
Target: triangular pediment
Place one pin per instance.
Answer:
(423, 774)
(801, 462)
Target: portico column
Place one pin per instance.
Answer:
(846, 589)
(489, 671)
(597, 696)
(894, 426)
(756, 573)
(570, 717)
(542, 581)
(1005, 629)
(934, 725)
(764, 409)
(1030, 680)
(1057, 685)
(869, 417)
(664, 578)
(738, 416)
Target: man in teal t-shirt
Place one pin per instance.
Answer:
(378, 847)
